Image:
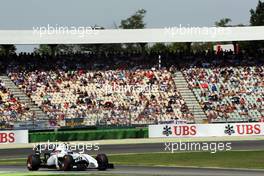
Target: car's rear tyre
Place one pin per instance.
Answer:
(67, 163)
(102, 161)
(33, 162)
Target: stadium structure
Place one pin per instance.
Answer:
(81, 90)
(132, 100)
(174, 94)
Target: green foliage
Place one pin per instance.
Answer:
(55, 49)
(223, 22)
(176, 47)
(43, 50)
(257, 15)
(159, 47)
(136, 21)
(256, 19)
(69, 48)
(7, 49)
(202, 46)
(99, 48)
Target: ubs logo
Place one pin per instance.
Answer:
(167, 130)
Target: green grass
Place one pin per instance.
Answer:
(230, 159)
(17, 161)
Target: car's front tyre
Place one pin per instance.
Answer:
(33, 162)
(67, 163)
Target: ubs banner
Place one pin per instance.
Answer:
(14, 137)
(206, 130)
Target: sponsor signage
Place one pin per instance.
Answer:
(14, 137)
(76, 122)
(206, 130)
(40, 125)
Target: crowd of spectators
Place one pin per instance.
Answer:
(114, 91)
(11, 109)
(229, 89)
(127, 89)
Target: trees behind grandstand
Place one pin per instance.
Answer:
(136, 21)
(257, 19)
(55, 48)
(7, 49)
(257, 15)
(223, 22)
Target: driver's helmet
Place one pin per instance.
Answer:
(62, 148)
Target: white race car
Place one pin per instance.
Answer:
(66, 160)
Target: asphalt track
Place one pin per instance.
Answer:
(134, 148)
(141, 170)
(145, 171)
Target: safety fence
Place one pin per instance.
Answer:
(88, 135)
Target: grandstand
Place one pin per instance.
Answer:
(11, 109)
(230, 89)
(217, 87)
(79, 89)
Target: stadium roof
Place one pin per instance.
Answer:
(88, 35)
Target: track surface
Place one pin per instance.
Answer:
(133, 148)
(140, 170)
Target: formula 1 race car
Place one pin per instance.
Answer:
(66, 160)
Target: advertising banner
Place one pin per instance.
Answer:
(206, 130)
(14, 137)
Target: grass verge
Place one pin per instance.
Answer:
(230, 159)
